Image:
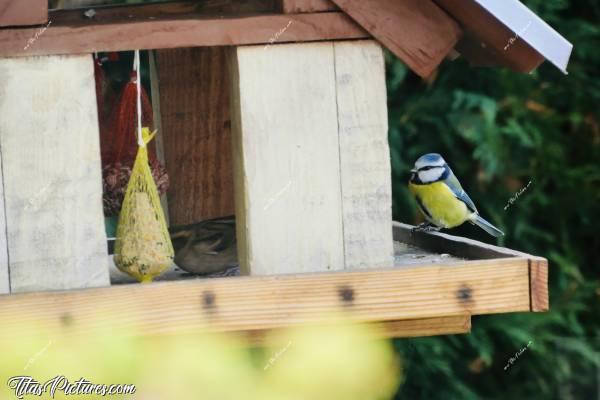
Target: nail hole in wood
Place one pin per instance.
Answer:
(464, 294)
(346, 294)
(208, 300)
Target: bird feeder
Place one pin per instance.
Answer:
(272, 110)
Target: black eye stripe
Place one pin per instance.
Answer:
(428, 167)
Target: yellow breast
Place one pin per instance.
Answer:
(445, 209)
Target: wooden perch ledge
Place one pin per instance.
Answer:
(429, 299)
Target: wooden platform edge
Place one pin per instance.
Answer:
(468, 248)
(454, 325)
(261, 303)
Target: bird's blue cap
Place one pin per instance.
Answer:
(433, 159)
(430, 157)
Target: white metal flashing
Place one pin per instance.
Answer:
(532, 29)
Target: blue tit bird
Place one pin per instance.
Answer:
(441, 198)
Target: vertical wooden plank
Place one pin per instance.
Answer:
(305, 6)
(23, 12)
(194, 111)
(52, 175)
(416, 31)
(4, 276)
(287, 155)
(240, 187)
(364, 154)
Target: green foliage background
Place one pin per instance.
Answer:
(500, 130)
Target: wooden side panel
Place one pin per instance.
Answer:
(23, 12)
(364, 154)
(416, 31)
(52, 176)
(303, 6)
(286, 145)
(4, 276)
(194, 100)
(538, 276)
(260, 303)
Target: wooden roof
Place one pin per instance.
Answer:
(489, 32)
(420, 32)
(506, 33)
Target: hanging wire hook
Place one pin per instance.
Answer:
(136, 68)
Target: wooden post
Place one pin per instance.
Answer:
(50, 153)
(311, 162)
(196, 130)
(286, 159)
(364, 154)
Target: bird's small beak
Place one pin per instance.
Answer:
(414, 171)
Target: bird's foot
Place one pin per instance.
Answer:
(426, 227)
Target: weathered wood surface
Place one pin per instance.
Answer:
(364, 154)
(50, 153)
(487, 41)
(303, 6)
(196, 127)
(259, 303)
(4, 276)
(90, 36)
(416, 31)
(286, 159)
(23, 12)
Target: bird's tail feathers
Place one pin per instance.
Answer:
(486, 226)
